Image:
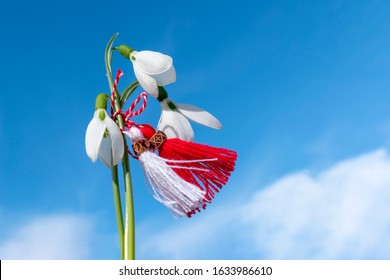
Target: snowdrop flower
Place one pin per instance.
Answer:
(103, 136)
(174, 118)
(152, 69)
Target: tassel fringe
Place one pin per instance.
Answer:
(218, 162)
(168, 188)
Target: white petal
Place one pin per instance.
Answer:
(165, 78)
(105, 151)
(152, 63)
(116, 136)
(199, 115)
(174, 124)
(94, 136)
(148, 83)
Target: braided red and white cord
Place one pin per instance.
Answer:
(129, 113)
(119, 74)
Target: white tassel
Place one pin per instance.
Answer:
(167, 187)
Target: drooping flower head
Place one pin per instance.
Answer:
(152, 69)
(103, 137)
(174, 118)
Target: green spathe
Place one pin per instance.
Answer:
(125, 51)
(101, 101)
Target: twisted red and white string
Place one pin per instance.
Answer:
(119, 74)
(129, 113)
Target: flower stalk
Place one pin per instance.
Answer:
(118, 208)
(126, 238)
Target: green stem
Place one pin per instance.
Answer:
(129, 234)
(129, 238)
(130, 223)
(118, 208)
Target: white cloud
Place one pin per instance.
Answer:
(61, 236)
(340, 213)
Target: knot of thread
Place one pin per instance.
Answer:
(149, 145)
(119, 112)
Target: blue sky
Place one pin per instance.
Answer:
(302, 89)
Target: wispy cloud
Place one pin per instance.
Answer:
(339, 213)
(60, 236)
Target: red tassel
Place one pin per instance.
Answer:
(205, 166)
(218, 162)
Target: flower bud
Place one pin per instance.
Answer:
(125, 51)
(101, 101)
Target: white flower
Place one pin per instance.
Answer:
(152, 69)
(174, 123)
(109, 147)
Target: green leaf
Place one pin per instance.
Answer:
(127, 92)
(108, 58)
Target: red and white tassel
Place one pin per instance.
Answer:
(180, 196)
(219, 162)
(205, 166)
